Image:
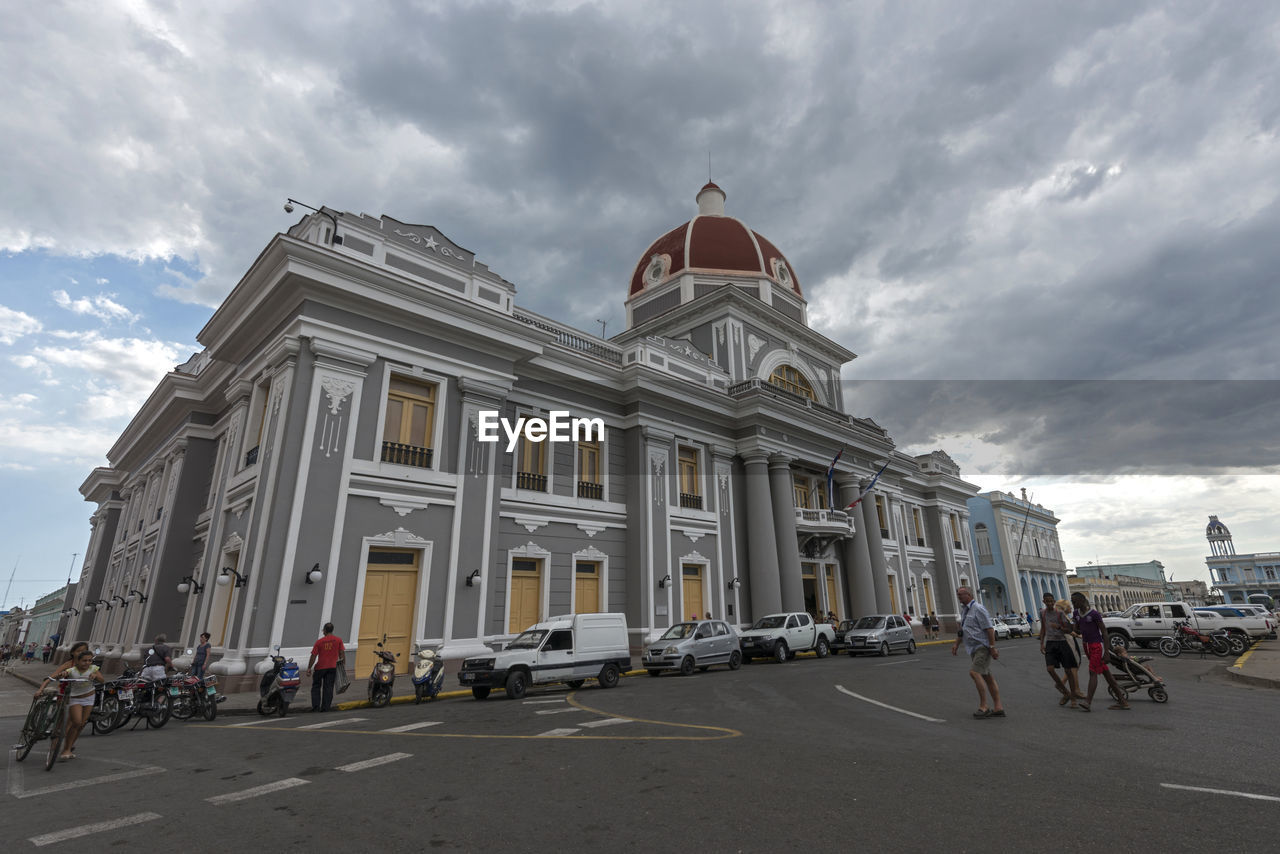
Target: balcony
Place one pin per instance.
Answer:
(251, 458)
(690, 501)
(407, 455)
(587, 489)
(823, 522)
(531, 480)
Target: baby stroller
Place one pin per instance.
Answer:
(1132, 677)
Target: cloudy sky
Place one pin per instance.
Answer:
(1048, 230)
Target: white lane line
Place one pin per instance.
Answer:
(556, 733)
(260, 721)
(911, 660)
(844, 690)
(557, 711)
(18, 789)
(408, 727)
(338, 722)
(607, 722)
(86, 829)
(536, 702)
(374, 762)
(1221, 792)
(257, 791)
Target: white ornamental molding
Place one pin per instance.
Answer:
(403, 505)
(530, 524)
(277, 395)
(720, 334)
(338, 390)
(400, 538)
(233, 543)
(530, 549)
(240, 506)
(693, 557)
(429, 242)
(590, 530)
(591, 553)
(753, 346)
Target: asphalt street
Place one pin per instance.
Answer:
(837, 752)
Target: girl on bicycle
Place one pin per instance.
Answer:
(79, 667)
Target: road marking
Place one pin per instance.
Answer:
(844, 690)
(86, 829)
(607, 722)
(1221, 792)
(535, 702)
(373, 763)
(257, 791)
(255, 723)
(408, 727)
(17, 786)
(899, 661)
(338, 722)
(555, 711)
(556, 733)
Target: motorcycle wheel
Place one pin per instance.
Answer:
(267, 705)
(210, 708)
(159, 713)
(283, 709)
(184, 707)
(419, 693)
(1170, 647)
(380, 697)
(105, 719)
(1237, 643)
(1219, 647)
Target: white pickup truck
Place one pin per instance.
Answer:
(781, 636)
(1147, 622)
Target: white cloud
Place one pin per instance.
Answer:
(53, 442)
(15, 324)
(116, 374)
(103, 306)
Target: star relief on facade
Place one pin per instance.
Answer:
(430, 243)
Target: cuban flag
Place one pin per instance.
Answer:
(831, 475)
(864, 492)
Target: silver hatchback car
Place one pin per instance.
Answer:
(696, 643)
(880, 634)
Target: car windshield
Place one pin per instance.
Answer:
(774, 622)
(679, 631)
(870, 623)
(845, 625)
(528, 640)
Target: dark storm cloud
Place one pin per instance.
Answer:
(1071, 428)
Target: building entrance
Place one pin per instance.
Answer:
(390, 588)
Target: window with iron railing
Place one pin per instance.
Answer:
(690, 501)
(531, 465)
(409, 425)
(589, 483)
(690, 490)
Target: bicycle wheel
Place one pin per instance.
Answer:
(24, 747)
(57, 733)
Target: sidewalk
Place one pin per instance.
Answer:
(1259, 666)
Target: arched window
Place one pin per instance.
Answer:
(787, 377)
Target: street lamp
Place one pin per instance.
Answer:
(187, 583)
(224, 578)
(337, 239)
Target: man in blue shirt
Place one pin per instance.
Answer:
(980, 642)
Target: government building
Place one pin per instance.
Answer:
(323, 458)
(1241, 578)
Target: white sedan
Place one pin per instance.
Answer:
(1001, 627)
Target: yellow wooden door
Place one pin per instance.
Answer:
(526, 594)
(833, 604)
(893, 596)
(390, 589)
(587, 592)
(220, 612)
(692, 589)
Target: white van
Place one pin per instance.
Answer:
(569, 649)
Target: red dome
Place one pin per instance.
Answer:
(712, 243)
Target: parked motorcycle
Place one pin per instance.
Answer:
(150, 701)
(428, 674)
(1188, 638)
(278, 686)
(196, 696)
(383, 677)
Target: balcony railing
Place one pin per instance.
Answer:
(690, 501)
(571, 338)
(407, 455)
(251, 458)
(587, 489)
(531, 480)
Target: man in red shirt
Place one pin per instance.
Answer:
(326, 652)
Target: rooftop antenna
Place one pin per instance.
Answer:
(604, 324)
(709, 166)
(5, 600)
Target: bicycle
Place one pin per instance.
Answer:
(47, 718)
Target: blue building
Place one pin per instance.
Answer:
(1017, 554)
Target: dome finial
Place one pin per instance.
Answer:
(710, 200)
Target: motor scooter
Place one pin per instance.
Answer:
(278, 685)
(383, 677)
(428, 674)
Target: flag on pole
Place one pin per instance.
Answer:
(831, 474)
(864, 492)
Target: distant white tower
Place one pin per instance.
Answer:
(1220, 544)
